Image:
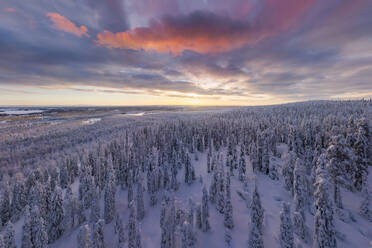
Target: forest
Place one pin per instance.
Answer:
(289, 176)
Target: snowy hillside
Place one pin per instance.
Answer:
(295, 175)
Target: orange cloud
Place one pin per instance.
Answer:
(62, 23)
(200, 32)
(207, 32)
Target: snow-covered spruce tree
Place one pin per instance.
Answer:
(300, 228)
(167, 223)
(188, 236)
(221, 192)
(255, 238)
(56, 216)
(19, 198)
(132, 226)
(257, 212)
(138, 236)
(242, 166)
(86, 189)
(95, 210)
(84, 239)
(63, 176)
(98, 235)
(190, 214)
(26, 230)
(109, 200)
(213, 187)
(152, 190)
(209, 162)
(174, 182)
(228, 214)
(81, 217)
(9, 236)
(2, 244)
(39, 235)
(286, 227)
(364, 208)
(189, 171)
(199, 223)
(324, 230)
(361, 150)
(228, 237)
(287, 170)
(5, 206)
(273, 172)
(299, 187)
(130, 191)
(205, 211)
(339, 166)
(265, 156)
(120, 232)
(139, 202)
(69, 203)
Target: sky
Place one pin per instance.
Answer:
(184, 52)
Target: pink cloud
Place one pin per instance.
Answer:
(207, 32)
(62, 23)
(10, 10)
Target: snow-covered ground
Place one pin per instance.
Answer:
(20, 111)
(91, 121)
(358, 233)
(182, 131)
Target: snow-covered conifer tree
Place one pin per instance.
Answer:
(228, 214)
(81, 217)
(56, 216)
(38, 229)
(205, 211)
(84, 239)
(213, 187)
(69, 209)
(364, 208)
(255, 238)
(26, 230)
(109, 200)
(139, 202)
(2, 244)
(19, 198)
(5, 206)
(242, 166)
(95, 210)
(324, 230)
(300, 228)
(299, 187)
(132, 226)
(188, 236)
(361, 150)
(339, 165)
(286, 227)
(9, 236)
(199, 221)
(120, 232)
(221, 193)
(257, 212)
(287, 170)
(98, 235)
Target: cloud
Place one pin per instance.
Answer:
(62, 23)
(238, 49)
(207, 32)
(10, 10)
